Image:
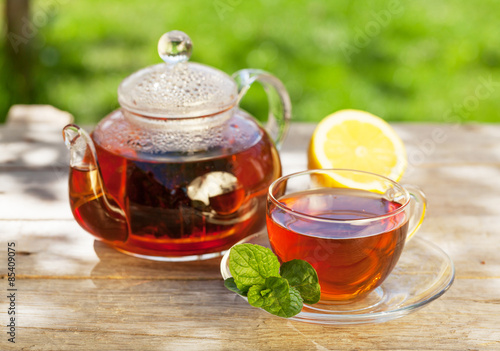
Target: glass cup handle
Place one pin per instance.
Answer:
(280, 107)
(418, 203)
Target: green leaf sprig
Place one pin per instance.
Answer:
(256, 274)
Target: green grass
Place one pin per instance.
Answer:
(423, 64)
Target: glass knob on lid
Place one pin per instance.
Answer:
(175, 46)
(177, 88)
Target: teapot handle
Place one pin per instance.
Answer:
(280, 107)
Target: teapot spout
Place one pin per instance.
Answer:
(93, 207)
(81, 147)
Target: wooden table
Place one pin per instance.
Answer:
(74, 293)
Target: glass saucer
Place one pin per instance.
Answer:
(424, 273)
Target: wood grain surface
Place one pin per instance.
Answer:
(75, 293)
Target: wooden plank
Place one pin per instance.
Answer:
(470, 241)
(35, 195)
(459, 190)
(61, 249)
(77, 294)
(44, 194)
(427, 144)
(37, 146)
(38, 115)
(32, 147)
(453, 218)
(171, 315)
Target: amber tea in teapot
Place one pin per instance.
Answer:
(177, 207)
(179, 172)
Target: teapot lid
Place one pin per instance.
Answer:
(177, 88)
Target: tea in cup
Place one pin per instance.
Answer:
(351, 226)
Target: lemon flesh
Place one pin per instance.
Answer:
(354, 139)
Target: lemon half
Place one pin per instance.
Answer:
(355, 139)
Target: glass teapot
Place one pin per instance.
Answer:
(179, 172)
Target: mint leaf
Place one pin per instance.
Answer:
(231, 285)
(256, 272)
(302, 276)
(251, 265)
(276, 297)
(295, 302)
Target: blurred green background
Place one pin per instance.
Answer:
(404, 61)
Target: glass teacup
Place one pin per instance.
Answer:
(351, 226)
